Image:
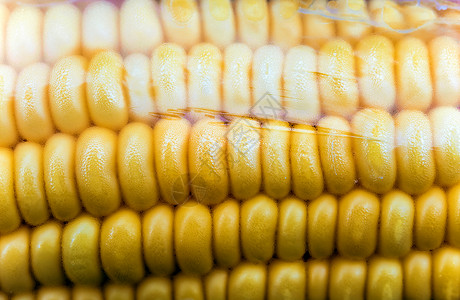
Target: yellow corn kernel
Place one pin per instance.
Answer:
(236, 90)
(168, 76)
(389, 18)
(67, 95)
(430, 219)
(445, 66)
(291, 234)
(8, 129)
(253, 22)
(15, 275)
(61, 32)
(353, 30)
(347, 279)
(115, 291)
(155, 288)
(218, 20)
(10, 219)
(59, 175)
(23, 36)
(378, 7)
(106, 100)
(307, 176)
(413, 75)
(318, 29)
(24, 296)
(453, 216)
(357, 224)
(286, 280)
(137, 77)
(181, 22)
(396, 224)
(417, 275)
(247, 282)
(215, 285)
(446, 274)
(335, 149)
(414, 152)
(53, 293)
(86, 293)
(384, 279)
(32, 113)
(171, 139)
(375, 72)
(188, 287)
(321, 227)
(102, 15)
(267, 72)
(317, 279)
(337, 82)
(140, 27)
(157, 234)
(121, 247)
(226, 233)
(96, 171)
(422, 19)
(204, 65)
(276, 173)
(301, 95)
(193, 238)
(285, 23)
(207, 161)
(259, 217)
(45, 254)
(445, 124)
(243, 156)
(136, 169)
(373, 147)
(29, 183)
(80, 252)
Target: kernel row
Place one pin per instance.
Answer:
(299, 87)
(420, 275)
(30, 34)
(193, 238)
(213, 159)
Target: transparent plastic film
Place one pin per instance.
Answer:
(218, 149)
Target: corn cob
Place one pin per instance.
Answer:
(116, 91)
(32, 34)
(104, 168)
(419, 275)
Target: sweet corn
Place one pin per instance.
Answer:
(80, 251)
(347, 279)
(357, 224)
(215, 284)
(45, 254)
(226, 233)
(158, 240)
(15, 274)
(417, 267)
(94, 130)
(121, 247)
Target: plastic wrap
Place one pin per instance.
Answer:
(212, 148)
